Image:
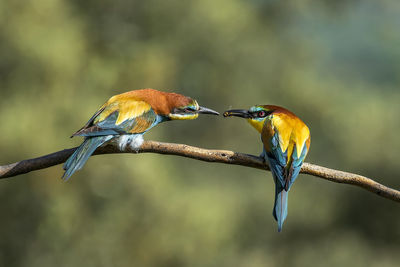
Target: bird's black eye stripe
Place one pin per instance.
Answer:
(190, 109)
(183, 110)
(260, 114)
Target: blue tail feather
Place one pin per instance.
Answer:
(280, 206)
(76, 161)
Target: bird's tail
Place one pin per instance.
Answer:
(280, 206)
(76, 161)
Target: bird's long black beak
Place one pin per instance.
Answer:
(204, 110)
(243, 113)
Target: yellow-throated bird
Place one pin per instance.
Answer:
(127, 117)
(286, 141)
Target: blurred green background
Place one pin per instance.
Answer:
(336, 64)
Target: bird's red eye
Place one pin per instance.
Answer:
(261, 113)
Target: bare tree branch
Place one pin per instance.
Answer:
(220, 156)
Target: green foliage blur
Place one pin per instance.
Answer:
(336, 64)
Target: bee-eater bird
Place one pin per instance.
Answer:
(286, 141)
(127, 117)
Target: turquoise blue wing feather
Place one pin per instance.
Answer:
(109, 126)
(278, 163)
(285, 173)
(102, 127)
(297, 162)
(277, 159)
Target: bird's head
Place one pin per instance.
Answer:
(256, 115)
(185, 108)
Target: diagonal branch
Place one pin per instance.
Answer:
(220, 156)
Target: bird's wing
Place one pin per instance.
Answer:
(127, 116)
(276, 157)
(286, 148)
(300, 138)
(285, 163)
(295, 163)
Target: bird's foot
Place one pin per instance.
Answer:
(263, 155)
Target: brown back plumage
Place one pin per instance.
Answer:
(161, 102)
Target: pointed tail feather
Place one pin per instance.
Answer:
(76, 161)
(280, 206)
